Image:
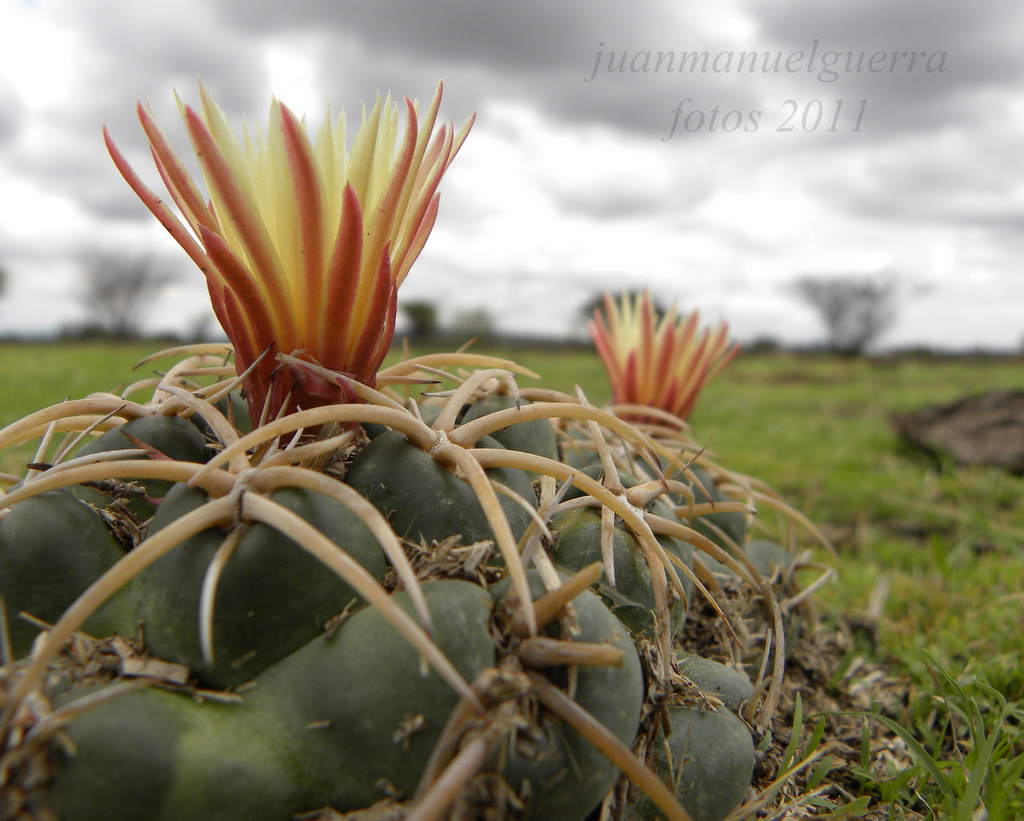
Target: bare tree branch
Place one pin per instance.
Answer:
(855, 308)
(117, 290)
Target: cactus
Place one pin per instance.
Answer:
(353, 597)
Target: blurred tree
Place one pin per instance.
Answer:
(474, 322)
(118, 289)
(597, 302)
(423, 317)
(855, 308)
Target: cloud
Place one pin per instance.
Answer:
(12, 110)
(570, 181)
(978, 41)
(530, 33)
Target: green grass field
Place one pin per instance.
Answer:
(949, 541)
(947, 544)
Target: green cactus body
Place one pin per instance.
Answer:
(717, 679)
(52, 547)
(173, 436)
(154, 755)
(712, 762)
(371, 714)
(768, 556)
(346, 720)
(564, 776)
(578, 543)
(576, 449)
(427, 411)
(233, 408)
(424, 500)
(733, 524)
(347, 715)
(271, 598)
(534, 436)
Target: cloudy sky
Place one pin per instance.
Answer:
(712, 152)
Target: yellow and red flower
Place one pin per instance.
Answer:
(657, 362)
(303, 243)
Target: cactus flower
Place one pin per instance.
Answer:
(661, 363)
(303, 243)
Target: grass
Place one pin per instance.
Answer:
(944, 545)
(34, 376)
(947, 542)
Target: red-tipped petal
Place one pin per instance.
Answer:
(156, 205)
(386, 226)
(309, 204)
(411, 251)
(177, 179)
(263, 324)
(373, 317)
(241, 211)
(311, 384)
(342, 281)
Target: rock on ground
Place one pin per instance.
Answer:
(985, 429)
